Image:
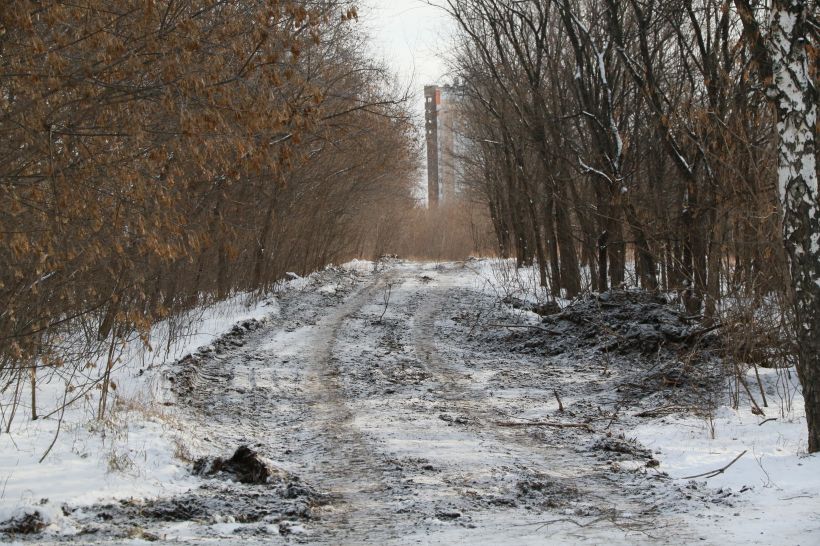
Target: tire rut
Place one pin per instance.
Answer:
(563, 465)
(222, 393)
(347, 465)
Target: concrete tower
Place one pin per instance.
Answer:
(442, 113)
(432, 100)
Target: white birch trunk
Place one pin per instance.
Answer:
(795, 97)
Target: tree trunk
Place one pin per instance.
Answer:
(644, 260)
(223, 282)
(690, 299)
(570, 272)
(500, 231)
(33, 377)
(604, 210)
(261, 246)
(714, 266)
(796, 99)
(552, 250)
(603, 275)
(616, 248)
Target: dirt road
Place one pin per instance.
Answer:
(396, 413)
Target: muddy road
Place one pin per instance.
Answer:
(393, 408)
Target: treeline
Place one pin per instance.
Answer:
(160, 154)
(611, 130)
(675, 135)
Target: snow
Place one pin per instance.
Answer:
(137, 452)
(782, 483)
(133, 452)
(503, 278)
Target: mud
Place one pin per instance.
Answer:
(661, 355)
(27, 524)
(398, 407)
(245, 466)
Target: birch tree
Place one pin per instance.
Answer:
(785, 64)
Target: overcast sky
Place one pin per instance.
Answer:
(410, 35)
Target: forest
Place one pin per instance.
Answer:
(673, 140)
(228, 314)
(157, 156)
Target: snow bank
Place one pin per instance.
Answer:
(134, 451)
(781, 483)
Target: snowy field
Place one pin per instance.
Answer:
(404, 365)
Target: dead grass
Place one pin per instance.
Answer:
(450, 232)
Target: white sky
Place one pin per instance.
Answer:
(412, 37)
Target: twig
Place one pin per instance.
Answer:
(530, 326)
(760, 385)
(5, 483)
(60, 420)
(59, 427)
(584, 426)
(663, 410)
(386, 300)
(475, 323)
(701, 332)
(760, 424)
(713, 473)
(560, 405)
(570, 520)
(756, 408)
(614, 415)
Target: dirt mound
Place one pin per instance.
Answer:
(234, 338)
(281, 500)
(27, 524)
(621, 447)
(627, 321)
(646, 348)
(245, 466)
(214, 503)
(621, 322)
(186, 373)
(545, 492)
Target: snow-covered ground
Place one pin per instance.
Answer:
(131, 453)
(404, 371)
(781, 483)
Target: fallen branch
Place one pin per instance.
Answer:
(663, 410)
(783, 499)
(756, 409)
(701, 332)
(584, 426)
(529, 326)
(763, 422)
(614, 415)
(713, 473)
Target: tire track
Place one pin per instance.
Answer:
(347, 465)
(562, 465)
(223, 393)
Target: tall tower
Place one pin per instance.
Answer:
(432, 100)
(447, 160)
(442, 113)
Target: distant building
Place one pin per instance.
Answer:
(444, 143)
